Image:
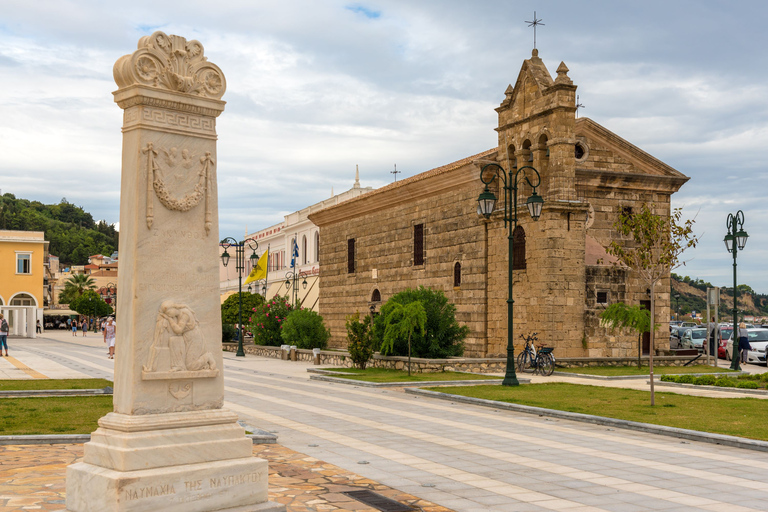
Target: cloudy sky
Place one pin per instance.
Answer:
(315, 88)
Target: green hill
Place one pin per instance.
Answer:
(71, 231)
(692, 297)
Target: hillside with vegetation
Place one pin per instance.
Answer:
(693, 298)
(71, 231)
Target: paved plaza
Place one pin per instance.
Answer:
(459, 456)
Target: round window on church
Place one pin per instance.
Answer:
(580, 151)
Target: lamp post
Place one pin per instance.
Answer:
(295, 276)
(677, 303)
(240, 267)
(485, 206)
(735, 240)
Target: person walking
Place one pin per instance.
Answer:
(3, 335)
(714, 334)
(110, 329)
(74, 327)
(84, 326)
(744, 346)
(39, 327)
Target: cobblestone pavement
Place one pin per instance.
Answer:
(32, 478)
(464, 457)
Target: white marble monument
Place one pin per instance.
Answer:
(169, 445)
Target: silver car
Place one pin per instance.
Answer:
(694, 338)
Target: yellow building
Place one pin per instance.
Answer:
(22, 272)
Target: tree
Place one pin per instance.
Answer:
(401, 321)
(656, 245)
(229, 308)
(360, 339)
(91, 304)
(75, 286)
(623, 316)
(443, 336)
(305, 329)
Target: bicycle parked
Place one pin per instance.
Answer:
(540, 361)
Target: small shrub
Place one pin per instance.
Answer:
(668, 378)
(360, 340)
(764, 377)
(705, 380)
(747, 384)
(227, 333)
(725, 382)
(267, 321)
(686, 379)
(305, 329)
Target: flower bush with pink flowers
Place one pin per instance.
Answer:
(267, 321)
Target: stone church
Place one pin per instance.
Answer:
(426, 230)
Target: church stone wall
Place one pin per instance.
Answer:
(453, 232)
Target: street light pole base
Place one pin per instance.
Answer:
(510, 381)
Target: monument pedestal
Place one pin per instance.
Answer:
(169, 446)
(195, 461)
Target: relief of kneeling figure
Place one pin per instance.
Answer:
(178, 329)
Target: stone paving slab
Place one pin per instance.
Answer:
(32, 478)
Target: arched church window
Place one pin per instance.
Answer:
(518, 252)
(457, 275)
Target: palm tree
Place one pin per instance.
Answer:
(75, 286)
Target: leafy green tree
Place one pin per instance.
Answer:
(400, 321)
(623, 316)
(229, 308)
(90, 304)
(360, 339)
(305, 329)
(75, 286)
(443, 336)
(653, 250)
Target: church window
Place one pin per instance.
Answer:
(457, 275)
(317, 246)
(579, 151)
(418, 244)
(602, 297)
(351, 256)
(376, 296)
(518, 251)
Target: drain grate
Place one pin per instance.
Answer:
(378, 501)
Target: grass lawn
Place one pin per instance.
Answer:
(744, 417)
(52, 415)
(614, 371)
(13, 385)
(387, 375)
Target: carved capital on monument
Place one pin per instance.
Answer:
(170, 63)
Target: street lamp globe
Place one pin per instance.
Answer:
(534, 203)
(225, 258)
(486, 203)
(741, 239)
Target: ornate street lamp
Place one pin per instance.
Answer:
(240, 267)
(736, 233)
(486, 204)
(295, 276)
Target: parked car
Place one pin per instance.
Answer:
(758, 340)
(725, 333)
(675, 333)
(689, 324)
(694, 338)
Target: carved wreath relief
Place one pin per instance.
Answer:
(178, 347)
(172, 162)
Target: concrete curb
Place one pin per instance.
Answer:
(364, 384)
(681, 433)
(713, 388)
(637, 377)
(22, 393)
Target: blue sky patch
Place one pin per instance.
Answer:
(365, 11)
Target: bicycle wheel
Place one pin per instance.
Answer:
(545, 365)
(524, 362)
